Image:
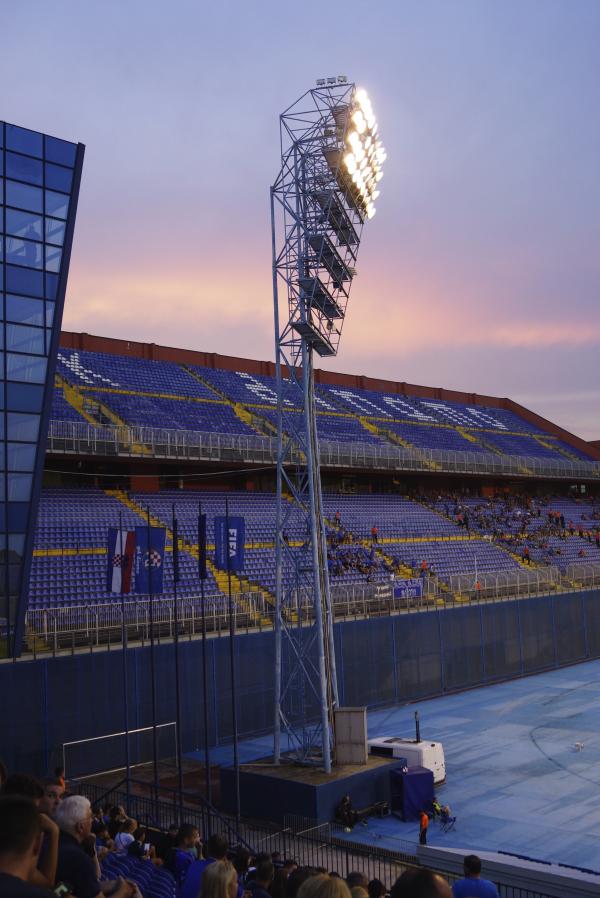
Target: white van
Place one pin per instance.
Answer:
(418, 754)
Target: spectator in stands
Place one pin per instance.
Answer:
(473, 886)
(420, 883)
(216, 849)
(219, 880)
(25, 786)
(20, 843)
(376, 889)
(104, 843)
(325, 886)
(241, 862)
(167, 842)
(142, 849)
(77, 863)
(357, 879)
(260, 884)
(116, 818)
(59, 775)
(125, 836)
(374, 534)
(297, 878)
(52, 797)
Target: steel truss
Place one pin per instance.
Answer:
(317, 220)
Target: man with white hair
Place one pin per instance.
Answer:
(76, 867)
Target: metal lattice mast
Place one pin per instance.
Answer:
(330, 163)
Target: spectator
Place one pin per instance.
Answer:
(166, 843)
(297, 878)
(241, 862)
(473, 886)
(75, 866)
(125, 836)
(216, 850)
(25, 786)
(263, 877)
(357, 879)
(219, 880)
(116, 818)
(51, 798)
(59, 776)
(420, 883)
(20, 842)
(325, 886)
(377, 889)
(423, 827)
(142, 849)
(277, 889)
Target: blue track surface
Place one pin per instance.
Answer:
(514, 778)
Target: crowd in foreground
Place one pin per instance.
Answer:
(54, 843)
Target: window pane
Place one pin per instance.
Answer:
(27, 368)
(24, 224)
(16, 546)
(56, 204)
(2, 445)
(25, 339)
(20, 456)
(24, 197)
(60, 151)
(26, 311)
(24, 397)
(49, 313)
(23, 252)
(23, 141)
(53, 257)
(58, 178)
(17, 515)
(19, 487)
(55, 231)
(24, 280)
(1, 248)
(51, 286)
(23, 427)
(24, 169)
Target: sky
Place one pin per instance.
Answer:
(481, 268)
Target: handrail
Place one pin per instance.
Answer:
(81, 438)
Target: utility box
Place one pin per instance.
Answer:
(351, 736)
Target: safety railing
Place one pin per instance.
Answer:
(101, 625)
(80, 438)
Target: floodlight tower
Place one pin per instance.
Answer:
(331, 163)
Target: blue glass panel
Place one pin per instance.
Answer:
(23, 252)
(20, 456)
(17, 515)
(24, 310)
(2, 500)
(58, 178)
(53, 257)
(57, 204)
(19, 487)
(51, 286)
(1, 427)
(1, 248)
(24, 397)
(1, 134)
(23, 141)
(1, 190)
(60, 151)
(24, 224)
(2, 447)
(1, 161)
(25, 339)
(1, 347)
(23, 427)
(23, 196)
(24, 280)
(23, 169)
(49, 313)
(16, 546)
(27, 368)
(55, 231)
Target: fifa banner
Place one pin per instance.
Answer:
(149, 559)
(408, 589)
(229, 543)
(121, 549)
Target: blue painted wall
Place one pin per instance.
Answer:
(383, 660)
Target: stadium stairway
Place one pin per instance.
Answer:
(395, 438)
(555, 448)
(238, 584)
(75, 398)
(246, 416)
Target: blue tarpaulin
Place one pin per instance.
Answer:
(412, 792)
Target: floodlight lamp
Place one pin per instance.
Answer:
(378, 176)
(370, 211)
(359, 121)
(331, 80)
(353, 138)
(350, 162)
(342, 79)
(320, 82)
(361, 96)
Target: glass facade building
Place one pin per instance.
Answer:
(39, 187)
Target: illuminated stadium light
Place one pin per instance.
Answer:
(331, 163)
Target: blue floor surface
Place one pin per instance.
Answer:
(514, 777)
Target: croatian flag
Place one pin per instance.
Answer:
(121, 550)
